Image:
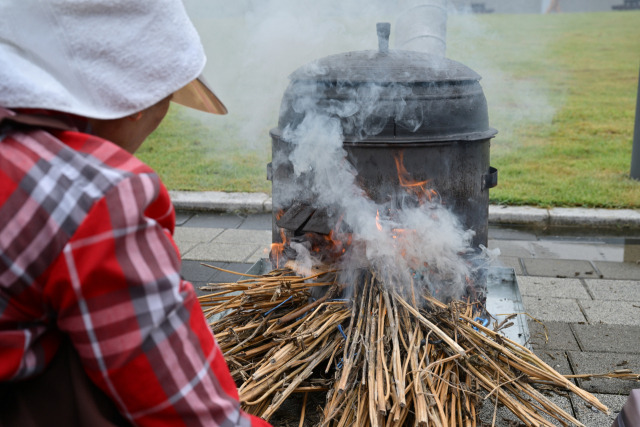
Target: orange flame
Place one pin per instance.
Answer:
(404, 177)
(332, 245)
(327, 247)
(277, 249)
(418, 188)
(378, 225)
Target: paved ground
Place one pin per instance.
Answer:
(583, 286)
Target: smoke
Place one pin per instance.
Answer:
(403, 242)
(252, 47)
(513, 100)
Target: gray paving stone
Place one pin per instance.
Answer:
(553, 309)
(559, 336)
(552, 287)
(618, 270)
(511, 262)
(234, 267)
(196, 234)
(505, 233)
(558, 268)
(592, 417)
(556, 359)
(194, 271)
(624, 240)
(612, 312)
(197, 286)
(182, 217)
(259, 254)
(602, 363)
(220, 252)
(576, 236)
(511, 248)
(631, 251)
(214, 220)
(504, 417)
(542, 250)
(203, 287)
(576, 250)
(617, 290)
(185, 247)
(607, 338)
(257, 222)
(259, 237)
(234, 273)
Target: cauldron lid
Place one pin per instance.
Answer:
(393, 66)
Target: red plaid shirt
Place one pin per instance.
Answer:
(86, 250)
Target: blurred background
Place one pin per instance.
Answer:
(560, 77)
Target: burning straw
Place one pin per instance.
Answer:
(382, 358)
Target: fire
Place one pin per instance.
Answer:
(416, 188)
(277, 251)
(325, 248)
(378, 225)
(330, 248)
(337, 244)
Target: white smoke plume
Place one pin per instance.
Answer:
(253, 45)
(424, 243)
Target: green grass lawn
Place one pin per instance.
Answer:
(561, 91)
(189, 155)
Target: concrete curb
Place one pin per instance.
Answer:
(218, 201)
(565, 217)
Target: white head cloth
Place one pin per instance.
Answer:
(103, 59)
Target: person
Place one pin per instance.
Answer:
(97, 328)
(630, 413)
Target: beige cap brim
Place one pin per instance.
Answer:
(199, 95)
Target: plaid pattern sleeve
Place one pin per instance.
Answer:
(113, 287)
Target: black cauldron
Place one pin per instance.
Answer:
(429, 108)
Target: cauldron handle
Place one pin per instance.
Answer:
(490, 180)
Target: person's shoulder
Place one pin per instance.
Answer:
(124, 173)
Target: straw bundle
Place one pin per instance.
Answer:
(383, 358)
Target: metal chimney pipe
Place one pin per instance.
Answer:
(384, 30)
(422, 26)
(635, 151)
